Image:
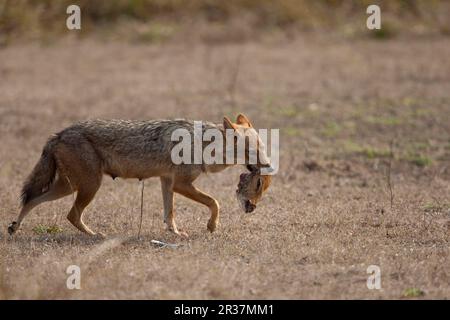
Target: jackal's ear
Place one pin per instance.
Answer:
(227, 124)
(243, 120)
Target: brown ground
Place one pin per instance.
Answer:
(326, 218)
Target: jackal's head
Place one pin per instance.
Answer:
(248, 146)
(251, 187)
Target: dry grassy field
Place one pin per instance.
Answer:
(347, 110)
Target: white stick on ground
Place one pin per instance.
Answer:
(165, 244)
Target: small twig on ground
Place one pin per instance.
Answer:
(142, 208)
(388, 174)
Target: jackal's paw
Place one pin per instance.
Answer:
(178, 232)
(212, 225)
(12, 228)
(99, 236)
(173, 228)
(182, 234)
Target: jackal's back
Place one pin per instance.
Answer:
(132, 148)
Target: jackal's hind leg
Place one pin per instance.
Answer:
(84, 197)
(60, 188)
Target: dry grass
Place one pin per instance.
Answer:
(327, 216)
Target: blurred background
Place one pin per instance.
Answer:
(151, 21)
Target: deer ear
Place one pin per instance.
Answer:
(227, 124)
(243, 120)
(267, 181)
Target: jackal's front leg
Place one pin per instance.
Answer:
(169, 215)
(188, 190)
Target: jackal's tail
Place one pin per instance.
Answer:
(43, 174)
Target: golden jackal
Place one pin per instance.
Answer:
(75, 160)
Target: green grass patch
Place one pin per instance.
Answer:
(420, 112)
(43, 229)
(279, 108)
(387, 121)
(419, 160)
(413, 293)
(352, 147)
(409, 101)
(287, 111)
(156, 33)
(366, 151)
(414, 157)
(386, 32)
(419, 146)
(292, 131)
(331, 129)
(373, 153)
(436, 207)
